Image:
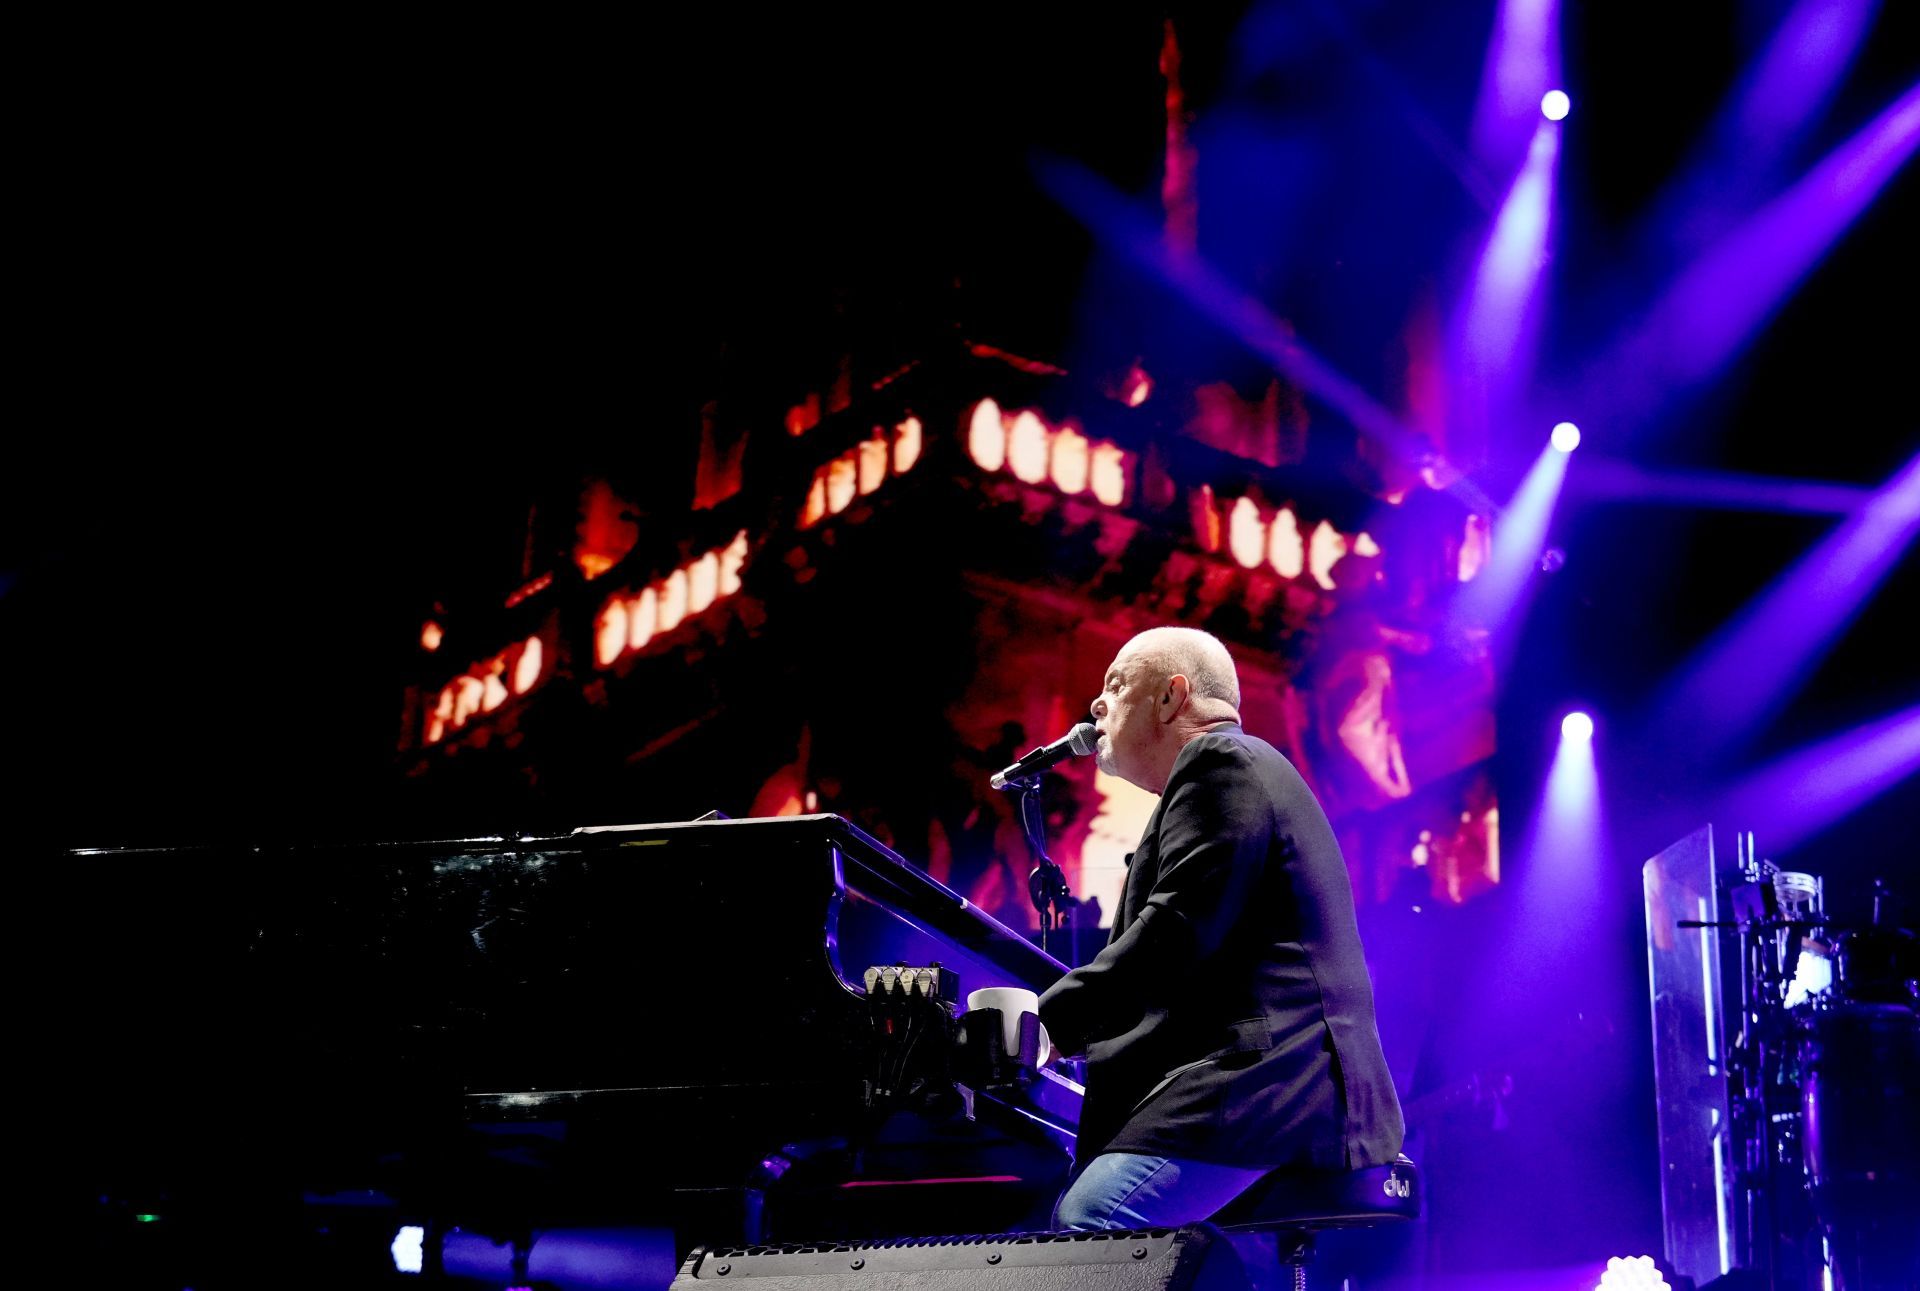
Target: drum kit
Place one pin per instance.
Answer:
(1823, 1085)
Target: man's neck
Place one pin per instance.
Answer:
(1190, 734)
(1208, 726)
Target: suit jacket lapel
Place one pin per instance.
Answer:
(1143, 868)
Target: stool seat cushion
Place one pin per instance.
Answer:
(1326, 1198)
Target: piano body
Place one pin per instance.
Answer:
(658, 1024)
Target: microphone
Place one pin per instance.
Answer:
(1076, 743)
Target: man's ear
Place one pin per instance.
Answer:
(1174, 701)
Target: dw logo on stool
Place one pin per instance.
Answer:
(1395, 1186)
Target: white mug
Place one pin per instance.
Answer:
(1012, 1001)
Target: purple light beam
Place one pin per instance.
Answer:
(1496, 332)
(1117, 225)
(1609, 479)
(1562, 882)
(1493, 598)
(1781, 97)
(1798, 796)
(1523, 63)
(1720, 302)
(1752, 667)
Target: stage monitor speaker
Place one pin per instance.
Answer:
(1196, 1258)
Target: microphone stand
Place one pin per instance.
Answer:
(1047, 884)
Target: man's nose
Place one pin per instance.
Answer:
(1096, 707)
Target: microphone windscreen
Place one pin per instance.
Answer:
(1082, 739)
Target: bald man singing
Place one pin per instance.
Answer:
(1228, 1024)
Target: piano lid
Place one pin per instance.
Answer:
(611, 957)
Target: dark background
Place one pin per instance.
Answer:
(313, 310)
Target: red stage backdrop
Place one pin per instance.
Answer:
(869, 602)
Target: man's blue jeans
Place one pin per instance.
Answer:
(1130, 1190)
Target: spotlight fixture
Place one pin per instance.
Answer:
(409, 1247)
(1566, 437)
(1632, 1273)
(1576, 726)
(1554, 105)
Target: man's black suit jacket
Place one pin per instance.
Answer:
(1230, 1018)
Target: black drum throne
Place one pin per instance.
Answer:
(1275, 1221)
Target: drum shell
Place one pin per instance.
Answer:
(1860, 1093)
(1877, 966)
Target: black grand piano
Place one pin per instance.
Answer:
(657, 1025)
